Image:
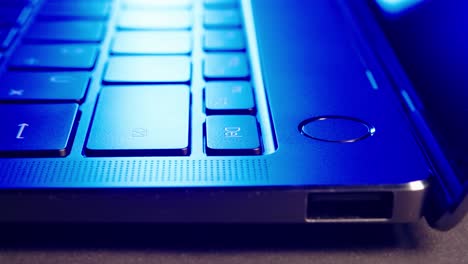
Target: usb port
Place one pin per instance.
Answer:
(349, 205)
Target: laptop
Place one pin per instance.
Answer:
(233, 111)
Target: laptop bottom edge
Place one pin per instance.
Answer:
(373, 204)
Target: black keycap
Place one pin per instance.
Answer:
(73, 57)
(155, 19)
(222, 18)
(232, 135)
(36, 130)
(224, 40)
(220, 3)
(157, 4)
(152, 42)
(226, 66)
(228, 98)
(43, 86)
(10, 16)
(6, 37)
(75, 10)
(141, 121)
(148, 69)
(66, 31)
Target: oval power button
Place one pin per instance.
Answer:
(340, 129)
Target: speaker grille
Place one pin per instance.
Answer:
(144, 172)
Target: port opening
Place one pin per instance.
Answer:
(349, 205)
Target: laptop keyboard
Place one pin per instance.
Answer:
(163, 58)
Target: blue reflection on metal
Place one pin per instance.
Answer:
(397, 6)
(372, 80)
(408, 101)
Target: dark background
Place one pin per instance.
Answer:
(115, 244)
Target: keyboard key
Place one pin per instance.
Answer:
(6, 37)
(72, 57)
(224, 40)
(36, 130)
(13, 15)
(226, 66)
(160, 4)
(222, 18)
(220, 3)
(44, 86)
(228, 98)
(148, 69)
(75, 10)
(232, 135)
(67, 31)
(155, 19)
(141, 121)
(152, 42)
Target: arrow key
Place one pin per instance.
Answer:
(36, 130)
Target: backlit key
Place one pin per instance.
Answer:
(36, 130)
(224, 40)
(73, 57)
(141, 121)
(228, 98)
(150, 4)
(66, 31)
(225, 18)
(75, 10)
(155, 19)
(226, 66)
(152, 42)
(220, 3)
(148, 69)
(43, 86)
(232, 135)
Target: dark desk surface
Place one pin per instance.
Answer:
(258, 244)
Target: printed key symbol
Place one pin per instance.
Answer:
(232, 132)
(21, 130)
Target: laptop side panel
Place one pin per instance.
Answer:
(446, 202)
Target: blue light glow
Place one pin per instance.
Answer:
(397, 6)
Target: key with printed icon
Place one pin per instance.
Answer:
(218, 66)
(229, 98)
(43, 86)
(37, 130)
(143, 120)
(224, 40)
(232, 135)
(55, 57)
